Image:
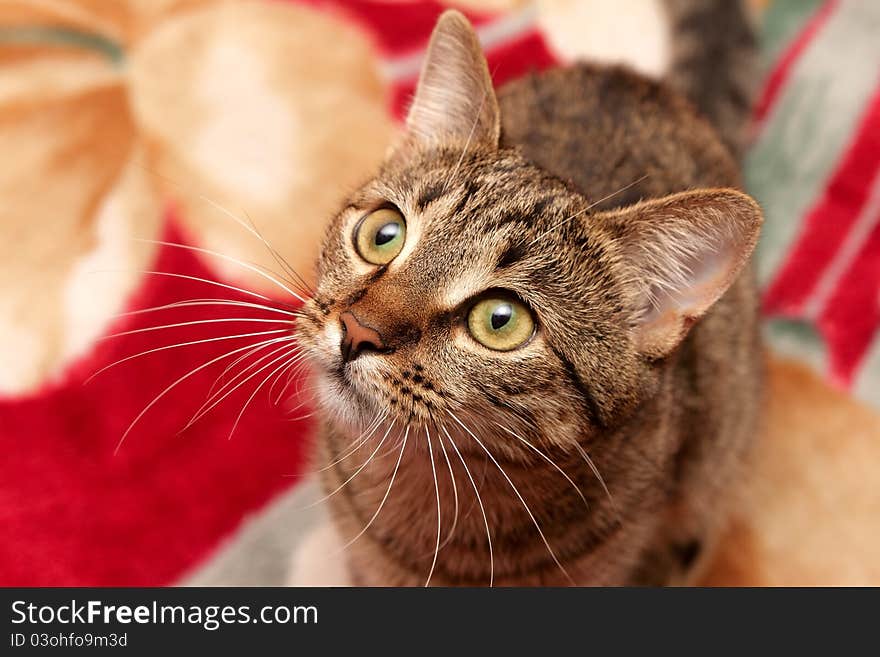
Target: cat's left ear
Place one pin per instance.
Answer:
(681, 252)
(454, 99)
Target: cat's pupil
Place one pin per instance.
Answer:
(501, 316)
(387, 233)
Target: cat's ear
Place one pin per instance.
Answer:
(682, 253)
(454, 99)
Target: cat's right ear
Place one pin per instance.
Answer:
(681, 252)
(454, 99)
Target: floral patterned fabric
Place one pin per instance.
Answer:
(143, 142)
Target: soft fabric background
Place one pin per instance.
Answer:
(177, 120)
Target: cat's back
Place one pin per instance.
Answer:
(619, 138)
(606, 128)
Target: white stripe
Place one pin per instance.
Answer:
(853, 242)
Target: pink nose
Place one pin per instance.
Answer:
(357, 338)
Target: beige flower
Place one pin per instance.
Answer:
(109, 109)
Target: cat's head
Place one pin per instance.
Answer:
(465, 284)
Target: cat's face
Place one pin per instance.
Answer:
(464, 286)
(452, 286)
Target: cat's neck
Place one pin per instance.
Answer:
(581, 537)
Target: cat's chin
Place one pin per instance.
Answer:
(346, 397)
(353, 397)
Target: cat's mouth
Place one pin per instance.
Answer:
(370, 386)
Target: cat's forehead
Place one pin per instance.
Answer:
(474, 220)
(475, 217)
(494, 178)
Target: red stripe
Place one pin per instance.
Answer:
(851, 319)
(784, 65)
(831, 218)
(396, 27)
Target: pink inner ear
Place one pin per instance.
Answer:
(685, 250)
(706, 277)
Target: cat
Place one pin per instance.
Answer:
(535, 334)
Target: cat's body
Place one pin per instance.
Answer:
(604, 448)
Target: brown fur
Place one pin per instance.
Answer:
(620, 428)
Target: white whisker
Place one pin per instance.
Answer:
(256, 390)
(517, 493)
(292, 372)
(304, 285)
(356, 472)
(361, 440)
(171, 387)
(219, 396)
(480, 502)
(596, 472)
(548, 459)
(437, 492)
(152, 272)
(207, 302)
(252, 228)
(384, 497)
(195, 323)
(232, 365)
(249, 266)
(454, 491)
(184, 344)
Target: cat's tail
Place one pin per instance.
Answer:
(715, 62)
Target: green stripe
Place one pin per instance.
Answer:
(60, 37)
(811, 126)
(781, 23)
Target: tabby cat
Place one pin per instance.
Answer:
(534, 335)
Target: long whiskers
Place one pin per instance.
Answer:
(231, 366)
(288, 363)
(517, 493)
(230, 387)
(185, 344)
(282, 262)
(596, 472)
(479, 501)
(246, 265)
(437, 493)
(197, 322)
(454, 491)
(248, 225)
(384, 497)
(174, 385)
(292, 372)
(191, 303)
(208, 281)
(366, 434)
(546, 458)
(356, 472)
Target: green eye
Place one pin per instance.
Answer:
(501, 323)
(380, 235)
